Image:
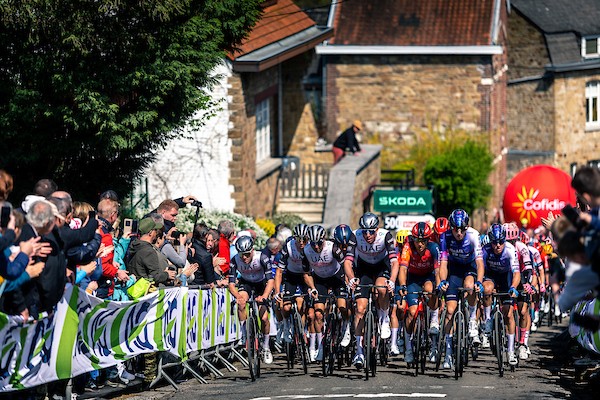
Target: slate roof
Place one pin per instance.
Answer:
(413, 22)
(563, 23)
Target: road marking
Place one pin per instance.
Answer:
(478, 387)
(351, 395)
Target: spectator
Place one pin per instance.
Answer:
(6, 184)
(346, 140)
(202, 256)
(108, 211)
(146, 261)
(169, 209)
(226, 237)
(42, 189)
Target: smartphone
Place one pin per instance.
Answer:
(127, 222)
(5, 216)
(134, 227)
(92, 215)
(572, 214)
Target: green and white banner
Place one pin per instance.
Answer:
(87, 333)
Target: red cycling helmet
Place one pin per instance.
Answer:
(441, 225)
(421, 230)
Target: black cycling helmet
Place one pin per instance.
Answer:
(369, 221)
(316, 233)
(342, 234)
(244, 244)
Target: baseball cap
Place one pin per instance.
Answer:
(148, 224)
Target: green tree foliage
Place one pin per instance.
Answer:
(90, 90)
(460, 177)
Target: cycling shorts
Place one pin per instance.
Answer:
(456, 277)
(293, 283)
(336, 283)
(415, 284)
(368, 274)
(502, 282)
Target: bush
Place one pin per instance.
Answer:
(289, 220)
(267, 226)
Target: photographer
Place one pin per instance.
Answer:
(169, 209)
(202, 256)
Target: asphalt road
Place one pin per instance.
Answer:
(541, 376)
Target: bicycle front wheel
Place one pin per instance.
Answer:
(368, 342)
(459, 338)
(498, 335)
(300, 342)
(252, 348)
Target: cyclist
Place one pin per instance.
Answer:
(538, 270)
(342, 235)
(440, 226)
(398, 305)
(557, 272)
(324, 259)
(528, 280)
(419, 264)
(501, 275)
(376, 264)
(254, 268)
(461, 263)
(291, 276)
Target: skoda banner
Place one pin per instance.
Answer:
(536, 191)
(403, 201)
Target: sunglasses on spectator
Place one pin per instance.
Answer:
(370, 231)
(318, 242)
(246, 254)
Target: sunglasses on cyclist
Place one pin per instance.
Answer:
(246, 254)
(370, 231)
(421, 240)
(318, 243)
(497, 242)
(302, 239)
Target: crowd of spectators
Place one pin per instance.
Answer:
(47, 241)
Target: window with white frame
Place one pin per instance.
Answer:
(263, 131)
(592, 96)
(590, 47)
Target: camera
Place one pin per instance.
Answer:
(196, 203)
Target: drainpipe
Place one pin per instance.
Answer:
(280, 112)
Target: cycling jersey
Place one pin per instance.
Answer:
(371, 253)
(536, 259)
(524, 256)
(292, 259)
(257, 270)
(417, 264)
(503, 263)
(464, 251)
(326, 263)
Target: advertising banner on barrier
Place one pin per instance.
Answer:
(86, 333)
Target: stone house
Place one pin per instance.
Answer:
(399, 65)
(231, 155)
(554, 83)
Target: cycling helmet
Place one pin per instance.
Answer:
(301, 230)
(459, 219)
(342, 234)
(369, 221)
(421, 230)
(496, 233)
(441, 225)
(316, 233)
(244, 244)
(548, 249)
(523, 237)
(512, 232)
(484, 239)
(401, 236)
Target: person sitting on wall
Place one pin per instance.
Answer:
(346, 140)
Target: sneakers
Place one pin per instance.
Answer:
(346, 339)
(485, 342)
(522, 352)
(313, 355)
(512, 358)
(545, 307)
(448, 364)
(534, 327)
(408, 356)
(386, 332)
(488, 326)
(556, 311)
(434, 328)
(359, 361)
(528, 351)
(394, 350)
(267, 356)
(536, 317)
(432, 355)
(126, 376)
(473, 328)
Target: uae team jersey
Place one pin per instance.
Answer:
(504, 262)
(417, 264)
(371, 253)
(326, 263)
(257, 270)
(464, 251)
(292, 259)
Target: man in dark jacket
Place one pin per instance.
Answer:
(346, 140)
(146, 261)
(205, 275)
